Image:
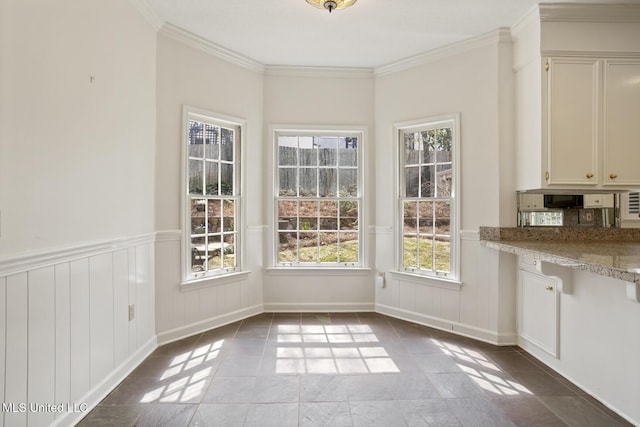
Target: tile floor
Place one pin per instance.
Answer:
(343, 369)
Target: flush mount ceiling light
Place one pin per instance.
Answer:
(330, 5)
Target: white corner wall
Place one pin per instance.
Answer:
(599, 342)
(77, 164)
(309, 97)
(476, 82)
(188, 75)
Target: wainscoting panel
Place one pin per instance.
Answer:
(41, 343)
(120, 306)
(145, 294)
(471, 309)
(101, 312)
(80, 331)
(17, 348)
(65, 333)
(133, 326)
(185, 311)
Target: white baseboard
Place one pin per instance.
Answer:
(306, 307)
(204, 325)
(469, 331)
(100, 391)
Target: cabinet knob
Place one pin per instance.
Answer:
(613, 176)
(589, 175)
(549, 287)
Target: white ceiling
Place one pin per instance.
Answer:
(369, 34)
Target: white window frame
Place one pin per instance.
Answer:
(452, 279)
(361, 133)
(194, 280)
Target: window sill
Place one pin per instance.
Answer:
(315, 271)
(420, 279)
(205, 282)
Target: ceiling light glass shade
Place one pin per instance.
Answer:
(330, 5)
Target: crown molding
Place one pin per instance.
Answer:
(148, 13)
(585, 12)
(197, 42)
(501, 35)
(531, 18)
(304, 71)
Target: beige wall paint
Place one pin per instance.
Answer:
(468, 83)
(190, 76)
(329, 98)
(77, 114)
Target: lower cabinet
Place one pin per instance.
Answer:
(538, 312)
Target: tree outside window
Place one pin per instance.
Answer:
(427, 196)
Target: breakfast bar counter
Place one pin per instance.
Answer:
(611, 252)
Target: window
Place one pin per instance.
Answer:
(212, 195)
(318, 199)
(427, 198)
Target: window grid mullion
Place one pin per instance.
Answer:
(334, 180)
(317, 230)
(208, 138)
(219, 164)
(436, 193)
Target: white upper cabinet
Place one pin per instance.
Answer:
(622, 122)
(592, 127)
(573, 110)
(578, 98)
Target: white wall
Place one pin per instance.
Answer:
(76, 199)
(527, 66)
(189, 75)
(77, 156)
(322, 98)
(475, 81)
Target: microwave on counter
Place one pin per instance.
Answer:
(563, 201)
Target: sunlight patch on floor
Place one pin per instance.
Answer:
(336, 349)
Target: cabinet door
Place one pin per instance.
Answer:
(531, 202)
(572, 121)
(598, 201)
(622, 123)
(538, 318)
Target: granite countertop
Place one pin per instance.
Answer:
(607, 252)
